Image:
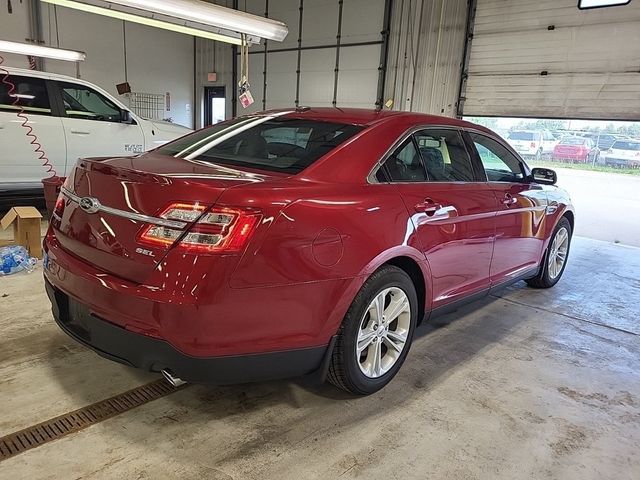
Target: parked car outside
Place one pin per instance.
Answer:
(532, 143)
(603, 141)
(71, 118)
(576, 150)
(623, 153)
(293, 242)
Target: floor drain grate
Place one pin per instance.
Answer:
(58, 427)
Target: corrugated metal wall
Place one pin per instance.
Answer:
(425, 55)
(547, 58)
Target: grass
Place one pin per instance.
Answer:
(584, 166)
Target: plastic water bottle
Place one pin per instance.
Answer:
(15, 259)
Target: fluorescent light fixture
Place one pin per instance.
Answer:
(23, 96)
(192, 17)
(150, 22)
(40, 51)
(212, 15)
(587, 4)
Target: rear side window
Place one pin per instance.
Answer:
(85, 103)
(445, 156)
(405, 165)
(265, 143)
(29, 94)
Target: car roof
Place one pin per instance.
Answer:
(367, 117)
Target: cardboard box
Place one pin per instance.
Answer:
(26, 228)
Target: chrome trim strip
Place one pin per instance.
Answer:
(138, 217)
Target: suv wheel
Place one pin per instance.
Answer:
(376, 333)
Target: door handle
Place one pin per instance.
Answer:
(79, 132)
(428, 206)
(509, 199)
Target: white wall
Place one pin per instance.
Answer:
(157, 61)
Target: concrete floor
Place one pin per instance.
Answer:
(531, 384)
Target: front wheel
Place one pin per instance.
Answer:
(554, 260)
(376, 333)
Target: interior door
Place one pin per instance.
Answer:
(452, 212)
(521, 216)
(94, 125)
(20, 165)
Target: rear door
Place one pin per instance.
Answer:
(20, 165)
(521, 213)
(94, 125)
(452, 211)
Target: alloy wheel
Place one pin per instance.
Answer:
(383, 332)
(558, 252)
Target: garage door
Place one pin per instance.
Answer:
(547, 58)
(330, 57)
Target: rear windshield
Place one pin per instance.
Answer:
(264, 143)
(573, 141)
(624, 145)
(521, 136)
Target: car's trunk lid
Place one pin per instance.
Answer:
(128, 190)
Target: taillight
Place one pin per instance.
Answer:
(533, 144)
(218, 230)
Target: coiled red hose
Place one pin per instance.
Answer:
(42, 156)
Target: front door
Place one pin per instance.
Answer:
(94, 125)
(522, 206)
(21, 167)
(452, 211)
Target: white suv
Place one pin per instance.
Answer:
(71, 119)
(532, 143)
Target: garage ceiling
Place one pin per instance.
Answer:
(547, 58)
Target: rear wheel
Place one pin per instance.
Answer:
(376, 333)
(555, 258)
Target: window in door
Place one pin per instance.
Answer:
(85, 103)
(29, 94)
(499, 163)
(405, 164)
(445, 156)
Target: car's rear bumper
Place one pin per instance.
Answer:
(153, 354)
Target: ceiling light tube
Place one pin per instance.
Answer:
(40, 51)
(213, 15)
(150, 22)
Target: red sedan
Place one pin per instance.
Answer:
(295, 242)
(576, 150)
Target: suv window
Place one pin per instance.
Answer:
(499, 163)
(29, 94)
(519, 135)
(405, 164)
(85, 103)
(444, 155)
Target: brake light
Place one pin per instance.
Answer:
(533, 144)
(218, 230)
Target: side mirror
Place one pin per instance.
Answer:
(546, 176)
(125, 116)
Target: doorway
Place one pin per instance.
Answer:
(215, 105)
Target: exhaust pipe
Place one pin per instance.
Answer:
(175, 381)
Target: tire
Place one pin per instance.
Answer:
(548, 276)
(347, 367)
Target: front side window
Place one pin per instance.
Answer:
(29, 94)
(265, 143)
(499, 163)
(445, 156)
(85, 103)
